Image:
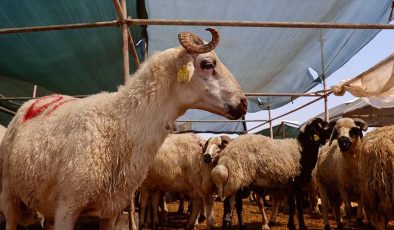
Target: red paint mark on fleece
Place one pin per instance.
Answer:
(59, 104)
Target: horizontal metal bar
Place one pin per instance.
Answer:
(312, 94)
(305, 25)
(58, 27)
(209, 121)
(10, 112)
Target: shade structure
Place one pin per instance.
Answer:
(88, 61)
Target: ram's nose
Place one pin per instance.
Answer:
(344, 143)
(238, 110)
(207, 158)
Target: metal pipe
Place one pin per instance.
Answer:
(285, 114)
(270, 123)
(209, 121)
(323, 69)
(304, 25)
(34, 91)
(58, 27)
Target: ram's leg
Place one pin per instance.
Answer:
(208, 206)
(264, 219)
(299, 195)
(197, 202)
(276, 200)
(336, 208)
(359, 220)
(291, 203)
(348, 209)
(164, 209)
(65, 218)
(228, 208)
(143, 202)
(154, 208)
(238, 208)
(10, 207)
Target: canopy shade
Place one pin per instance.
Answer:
(360, 109)
(282, 131)
(273, 60)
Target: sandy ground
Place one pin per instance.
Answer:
(252, 219)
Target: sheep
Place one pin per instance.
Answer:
(68, 157)
(377, 176)
(2, 132)
(338, 169)
(274, 164)
(183, 164)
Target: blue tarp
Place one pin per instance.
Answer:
(271, 59)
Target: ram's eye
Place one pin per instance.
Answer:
(207, 65)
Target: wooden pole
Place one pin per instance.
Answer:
(270, 122)
(34, 91)
(125, 42)
(323, 69)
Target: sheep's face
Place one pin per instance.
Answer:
(315, 130)
(212, 87)
(213, 148)
(348, 132)
(204, 82)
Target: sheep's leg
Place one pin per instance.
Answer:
(107, 224)
(299, 195)
(228, 208)
(291, 203)
(196, 200)
(276, 200)
(10, 207)
(238, 208)
(359, 220)
(163, 208)
(131, 215)
(65, 218)
(208, 205)
(154, 208)
(143, 201)
(264, 219)
(348, 209)
(336, 207)
(181, 206)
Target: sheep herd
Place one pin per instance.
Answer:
(65, 158)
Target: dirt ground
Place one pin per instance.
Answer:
(252, 219)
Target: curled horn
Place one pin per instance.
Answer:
(193, 44)
(361, 123)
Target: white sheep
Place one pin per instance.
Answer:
(68, 157)
(338, 170)
(183, 164)
(2, 132)
(273, 164)
(377, 176)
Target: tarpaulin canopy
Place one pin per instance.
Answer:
(359, 108)
(88, 61)
(281, 131)
(271, 59)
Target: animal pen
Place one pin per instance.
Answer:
(124, 22)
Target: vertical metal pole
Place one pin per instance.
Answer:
(125, 44)
(270, 122)
(34, 91)
(284, 129)
(326, 115)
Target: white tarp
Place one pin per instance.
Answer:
(375, 85)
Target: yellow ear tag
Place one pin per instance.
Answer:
(316, 137)
(183, 74)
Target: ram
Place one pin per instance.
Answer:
(67, 157)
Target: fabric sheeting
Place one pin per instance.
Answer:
(376, 85)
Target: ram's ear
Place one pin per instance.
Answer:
(185, 68)
(225, 141)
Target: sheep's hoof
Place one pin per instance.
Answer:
(242, 227)
(155, 226)
(265, 227)
(226, 225)
(327, 227)
(303, 227)
(359, 222)
(189, 228)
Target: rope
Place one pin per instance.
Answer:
(391, 13)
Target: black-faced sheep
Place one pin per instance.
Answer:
(377, 176)
(183, 164)
(274, 164)
(338, 169)
(67, 157)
